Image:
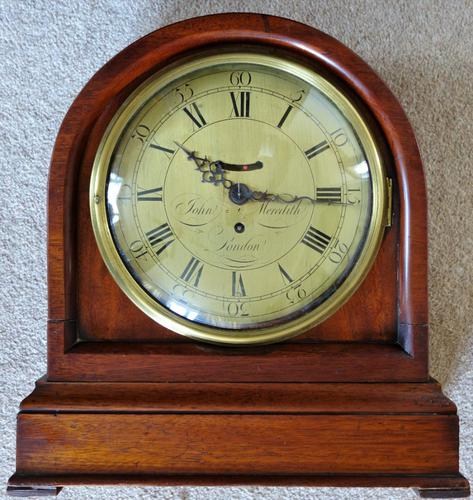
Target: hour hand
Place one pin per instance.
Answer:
(203, 164)
(211, 171)
(245, 167)
(234, 167)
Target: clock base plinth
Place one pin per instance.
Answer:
(373, 434)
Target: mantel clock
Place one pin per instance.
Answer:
(237, 274)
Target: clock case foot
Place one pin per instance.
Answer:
(279, 434)
(22, 490)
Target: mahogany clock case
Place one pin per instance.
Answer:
(102, 319)
(349, 402)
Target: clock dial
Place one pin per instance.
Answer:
(238, 198)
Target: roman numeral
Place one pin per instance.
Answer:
(160, 237)
(242, 108)
(169, 152)
(317, 240)
(284, 116)
(329, 194)
(285, 274)
(155, 194)
(317, 149)
(198, 119)
(193, 271)
(238, 288)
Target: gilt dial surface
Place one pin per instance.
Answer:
(238, 194)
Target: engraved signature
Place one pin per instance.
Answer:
(194, 210)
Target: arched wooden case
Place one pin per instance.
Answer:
(349, 403)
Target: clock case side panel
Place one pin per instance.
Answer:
(71, 357)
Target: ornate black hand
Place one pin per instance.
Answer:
(212, 171)
(289, 198)
(257, 165)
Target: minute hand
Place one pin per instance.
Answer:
(288, 198)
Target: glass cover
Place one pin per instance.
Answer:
(242, 191)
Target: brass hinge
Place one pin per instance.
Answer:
(389, 211)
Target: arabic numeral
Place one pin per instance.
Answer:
(239, 78)
(141, 133)
(297, 96)
(138, 249)
(353, 196)
(339, 253)
(237, 309)
(339, 137)
(296, 294)
(184, 93)
(182, 294)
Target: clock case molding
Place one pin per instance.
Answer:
(350, 403)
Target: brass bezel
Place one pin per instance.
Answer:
(152, 307)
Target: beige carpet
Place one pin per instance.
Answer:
(49, 49)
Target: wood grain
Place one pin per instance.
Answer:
(236, 444)
(197, 362)
(270, 398)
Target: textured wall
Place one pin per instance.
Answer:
(48, 51)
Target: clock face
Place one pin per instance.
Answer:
(238, 198)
